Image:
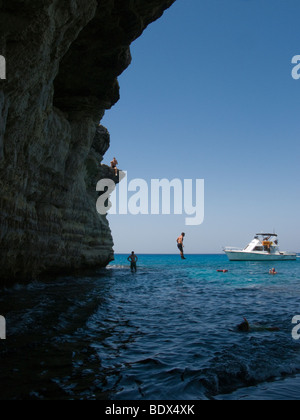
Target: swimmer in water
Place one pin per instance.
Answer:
(273, 272)
(246, 327)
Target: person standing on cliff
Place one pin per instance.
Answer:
(114, 164)
(180, 245)
(133, 259)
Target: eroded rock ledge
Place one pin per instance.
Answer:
(63, 59)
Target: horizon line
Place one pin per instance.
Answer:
(153, 253)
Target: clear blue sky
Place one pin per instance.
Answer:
(210, 95)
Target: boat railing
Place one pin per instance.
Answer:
(288, 253)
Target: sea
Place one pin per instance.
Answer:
(167, 332)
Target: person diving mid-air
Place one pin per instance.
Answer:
(180, 245)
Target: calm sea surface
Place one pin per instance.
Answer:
(166, 332)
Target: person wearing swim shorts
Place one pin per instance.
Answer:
(133, 259)
(180, 245)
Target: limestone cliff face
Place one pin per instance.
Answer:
(63, 59)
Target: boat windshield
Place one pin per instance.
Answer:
(259, 248)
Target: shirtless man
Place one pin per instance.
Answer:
(114, 164)
(180, 245)
(133, 259)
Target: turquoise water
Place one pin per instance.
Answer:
(166, 332)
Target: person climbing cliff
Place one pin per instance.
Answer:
(114, 164)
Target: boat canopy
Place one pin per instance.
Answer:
(267, 234)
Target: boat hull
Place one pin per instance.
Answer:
(252, 256)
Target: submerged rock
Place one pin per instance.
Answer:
(63, 59)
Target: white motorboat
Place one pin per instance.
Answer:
(264, 247)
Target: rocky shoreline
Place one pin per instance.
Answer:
(63, 59)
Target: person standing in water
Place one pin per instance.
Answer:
(180, 245)
(133, 259)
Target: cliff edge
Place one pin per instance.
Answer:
(63, 59)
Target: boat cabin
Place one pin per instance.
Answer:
(263, 242)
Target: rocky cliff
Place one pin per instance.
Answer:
(63, 58)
